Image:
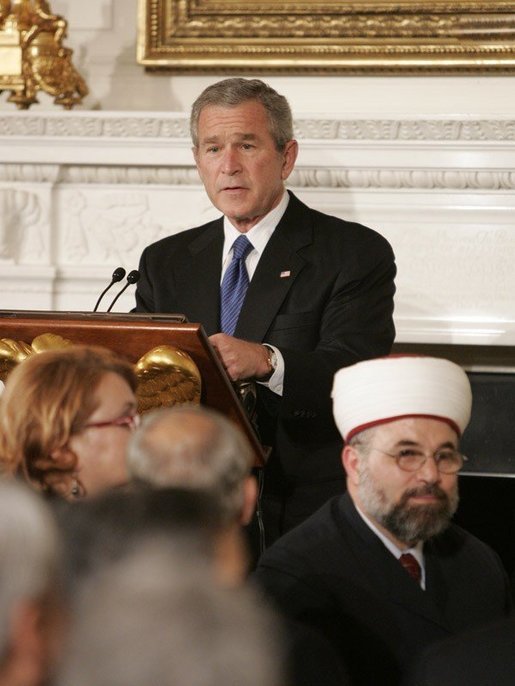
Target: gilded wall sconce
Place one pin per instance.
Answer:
(32, 55)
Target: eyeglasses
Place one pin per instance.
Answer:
(448, 461)
(131, 421)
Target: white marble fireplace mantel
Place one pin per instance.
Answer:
(84, 192)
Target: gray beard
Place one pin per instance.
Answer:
(408, 524)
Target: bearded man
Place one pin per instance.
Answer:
(381, 571)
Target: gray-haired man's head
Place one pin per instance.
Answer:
(235, 91)
(197, 448)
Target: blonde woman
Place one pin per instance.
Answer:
(65, 420)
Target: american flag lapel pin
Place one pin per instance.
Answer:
(285, 274)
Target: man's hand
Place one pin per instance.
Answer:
(241, 359)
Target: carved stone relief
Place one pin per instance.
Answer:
(21, 233)
(462, 271)
(111, 228)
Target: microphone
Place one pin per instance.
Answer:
(118, 275)
(132, 277)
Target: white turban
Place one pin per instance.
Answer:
(389, 388)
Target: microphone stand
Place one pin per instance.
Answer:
(132, 277)
(118, 275)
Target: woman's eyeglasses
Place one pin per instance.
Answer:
(130, 421)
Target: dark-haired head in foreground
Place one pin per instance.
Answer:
(102, 530)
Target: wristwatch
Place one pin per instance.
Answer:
(272, 362)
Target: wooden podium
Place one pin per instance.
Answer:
(133, 335)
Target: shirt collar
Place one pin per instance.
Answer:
(417, 550)
(260, 234)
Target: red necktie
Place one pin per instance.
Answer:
(411, 565)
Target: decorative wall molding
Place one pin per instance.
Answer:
(154, 176)
(81, 193)
(88, 125)
(175, 125)
(442, 179)
(315, 178)
(407, 130)
(162, 141)
(29, 173)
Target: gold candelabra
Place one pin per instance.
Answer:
(32, 56)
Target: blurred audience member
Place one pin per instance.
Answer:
(65, 419)
(149, 620)
(200, 449)
(194, 447)
(100, 531)
(30, 608)
(188, 524)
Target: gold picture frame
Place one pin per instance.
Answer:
(295, 37)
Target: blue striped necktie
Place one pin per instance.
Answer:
(234, 285)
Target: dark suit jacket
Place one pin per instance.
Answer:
(333, 309)
(335, 574)
(484, 657)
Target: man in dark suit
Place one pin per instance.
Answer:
(315, 292)
(379, 570)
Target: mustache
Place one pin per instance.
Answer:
(429, 489)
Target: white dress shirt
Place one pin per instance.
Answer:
(258, 235)
(417, 551)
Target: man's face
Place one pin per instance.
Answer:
(408, 506)
(239, 164)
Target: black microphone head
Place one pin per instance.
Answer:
(118, 274)
(133, 276)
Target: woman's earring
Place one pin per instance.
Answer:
(75, 489)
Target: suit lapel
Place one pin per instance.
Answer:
(436, 585)
(386, 573)
(279, 266)
(198, 277)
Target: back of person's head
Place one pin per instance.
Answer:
(193, 447)
(153, 619)
(47, 399)
(101, 531)
(29, 581)
(235, 91)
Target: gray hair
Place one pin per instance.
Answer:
(29, 551)
(235, 91)
(192, 447)
(154, 618)
(362, 441)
